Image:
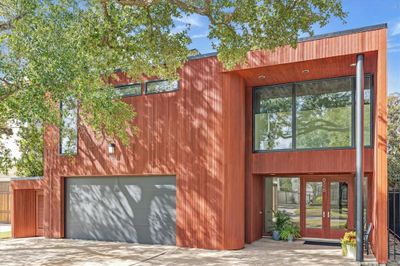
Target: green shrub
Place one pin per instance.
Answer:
(282, 219)
(290, 229)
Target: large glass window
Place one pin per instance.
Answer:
(309, 115)
(281, 194)
(324, 113)
(69, 129)
(273, 118)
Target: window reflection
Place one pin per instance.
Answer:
(339, 205)
(281, 194)
(69, 127)
(273, 118)
(324, 113)
(309, 115)
(314, 204)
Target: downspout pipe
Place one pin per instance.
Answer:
(359, 143)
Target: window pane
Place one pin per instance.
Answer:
(339, 205)
(314, 205)
(324, 113)
(273, 118)
(281, 194)
(161, 86)
(69, 130)
(367, 111)
(129, 90)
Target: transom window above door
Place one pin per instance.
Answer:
(317, 114)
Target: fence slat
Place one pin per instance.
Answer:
(5, 207)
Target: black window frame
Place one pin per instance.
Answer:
(294, 112)
(146, 92)
(128, 85)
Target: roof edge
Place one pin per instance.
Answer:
(16, 178)
(312, 38)
(344, 32)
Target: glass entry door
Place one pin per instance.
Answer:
(338, 208)
(325, 207)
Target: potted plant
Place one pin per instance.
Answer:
(349, 243)
(290, 232)
(281, 219)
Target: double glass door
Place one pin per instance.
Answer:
(326, 206)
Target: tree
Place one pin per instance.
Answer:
(31, 146)
(394, 139)
(52, 51)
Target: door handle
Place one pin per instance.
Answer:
(323, 214)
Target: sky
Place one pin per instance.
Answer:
(361, 13)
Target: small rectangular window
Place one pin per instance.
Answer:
(69, 127)
(161, 86)
(129, 90)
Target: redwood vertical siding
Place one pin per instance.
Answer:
(380, 182)
(191, 133)
(202, 134)
(24, 220)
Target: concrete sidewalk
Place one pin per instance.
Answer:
(40, 251)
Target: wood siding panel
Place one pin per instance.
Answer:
(24, 219)
(317, 69)
(362, 42)
(5, 202)
(380, 182)
(234, 132)
(39, 213)
(310, 162)
(180, 133)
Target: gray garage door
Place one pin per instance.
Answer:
(126, 209)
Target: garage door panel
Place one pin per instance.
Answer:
(129, 209)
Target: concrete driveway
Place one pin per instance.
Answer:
(40, 251)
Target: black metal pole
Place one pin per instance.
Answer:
(359, 158)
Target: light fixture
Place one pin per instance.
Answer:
(353, 65)
(111, 148)
(261, 77)
(305, 71)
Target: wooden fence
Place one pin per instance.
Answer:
(5, 202)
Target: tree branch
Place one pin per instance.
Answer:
(7, 25)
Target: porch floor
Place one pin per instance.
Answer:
(40, 251)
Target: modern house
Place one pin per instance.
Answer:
(218, 152)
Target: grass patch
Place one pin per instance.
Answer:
(5, 234)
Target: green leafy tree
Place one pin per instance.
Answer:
(394, 140)
(6, 161)
(30, 163)
(53, 51)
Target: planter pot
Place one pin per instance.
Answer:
(351, 252)
(276, 235)
(290, 239)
